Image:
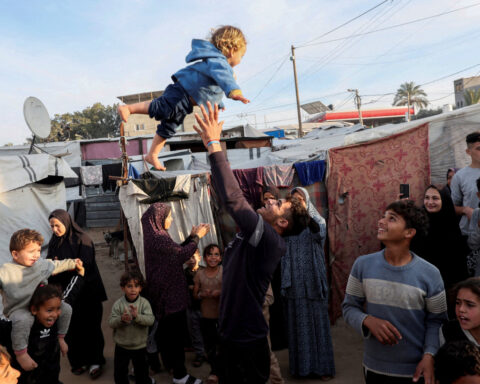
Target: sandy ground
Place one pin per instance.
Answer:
(347, 344)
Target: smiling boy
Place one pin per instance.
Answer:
(396, 300)
(18, 281)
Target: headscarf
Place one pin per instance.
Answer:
(443, 245)
(312, 212)
(304, 273)
(153, 220)
(75, 243)
(166, 284)
(67, 246)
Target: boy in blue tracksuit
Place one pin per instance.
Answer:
(209, 76)
(396, 300)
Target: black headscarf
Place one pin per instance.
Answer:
(443, 245)
(73, 244)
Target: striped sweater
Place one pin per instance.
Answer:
(411, 297)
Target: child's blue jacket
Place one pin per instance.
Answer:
(207, 79)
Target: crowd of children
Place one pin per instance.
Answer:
(396, 298)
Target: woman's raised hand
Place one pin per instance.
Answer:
(200, 230)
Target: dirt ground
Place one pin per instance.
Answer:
(347, 344)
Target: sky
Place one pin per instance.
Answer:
(72, 54)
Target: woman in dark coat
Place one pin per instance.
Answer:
(166, 284)
(443, 245)
(84, 338)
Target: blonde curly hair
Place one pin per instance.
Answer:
(226, 38)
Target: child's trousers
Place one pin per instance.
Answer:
(139, 361)
(22, 321)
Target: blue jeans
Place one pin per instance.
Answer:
(171, 108)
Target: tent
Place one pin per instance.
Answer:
(31, 186)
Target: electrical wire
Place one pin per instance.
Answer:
(345, 23)
(393, 26)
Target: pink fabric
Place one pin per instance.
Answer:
(368, 177)
(111, 149)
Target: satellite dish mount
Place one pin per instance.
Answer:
(37, 119)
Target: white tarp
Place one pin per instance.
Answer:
(24, 203)
(21, 170)
(70, 150)
(186, 212)
(28, 207)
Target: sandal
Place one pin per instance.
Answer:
(78, 371)
(95, 371)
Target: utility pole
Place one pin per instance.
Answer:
(358, 102)
(300, 130)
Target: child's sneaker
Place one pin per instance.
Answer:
(187, 380)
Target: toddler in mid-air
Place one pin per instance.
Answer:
(209, 76)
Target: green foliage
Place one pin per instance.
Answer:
(410, 94)
(472, 96)
(93, 122)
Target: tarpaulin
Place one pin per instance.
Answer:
(363, 180)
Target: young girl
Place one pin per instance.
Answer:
(43, 344)
(466, 326)
(206, 80)
(208, 287)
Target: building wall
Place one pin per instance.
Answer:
(463, 84)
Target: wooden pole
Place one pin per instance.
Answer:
(123, 145)
(300, 129)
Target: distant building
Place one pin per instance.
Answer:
(462, 85)
(139, 125)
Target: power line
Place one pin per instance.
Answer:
(393, 26)
(342, 25)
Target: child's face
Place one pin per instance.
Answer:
(235, 56)
(392, 227)
(432, 200)
(48, 312)
(8, 374)
(467, 309)
(194, 260)
(28, 255)
(57, 226)
(132, 289)
(213, 257)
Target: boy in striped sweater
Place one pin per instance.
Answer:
(396, 300)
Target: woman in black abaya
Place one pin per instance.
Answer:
(84, 338)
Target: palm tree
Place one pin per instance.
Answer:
(472, 96)
(410, 94)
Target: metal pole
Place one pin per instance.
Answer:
(358, 102)
(300, 130)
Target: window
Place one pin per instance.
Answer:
(140, 127)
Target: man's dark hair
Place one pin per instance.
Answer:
(297, 217)
(473, 137)
(455, 360)
(414, 217)
(134, 275)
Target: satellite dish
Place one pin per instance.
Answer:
(36, 117)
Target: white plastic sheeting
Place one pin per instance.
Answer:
(28, 207)
(186, 212)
